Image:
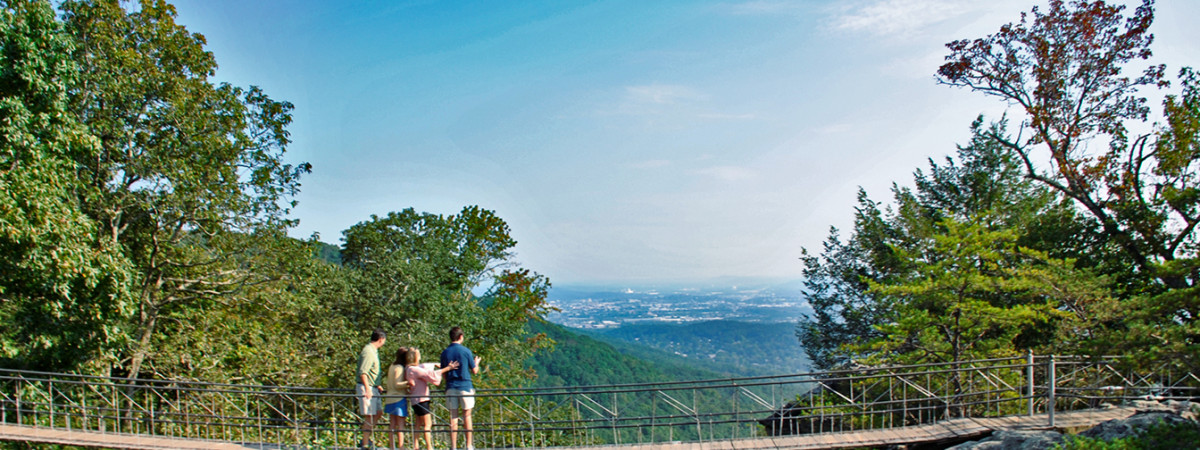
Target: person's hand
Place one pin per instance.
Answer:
(453, 365)
(477, 359)
(369, 391)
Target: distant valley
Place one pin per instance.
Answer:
(689, 332)
(592, 308)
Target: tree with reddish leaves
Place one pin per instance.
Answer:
(1065, 68)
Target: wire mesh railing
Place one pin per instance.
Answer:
(707, 410)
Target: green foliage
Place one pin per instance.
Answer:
(132, 184)
(1181, 435)
(414, 274)
(974, 294)
(64, 289)
(1064, 68)
(895, 273)
(1100, 246)
(580, 360)
(143, 219)
(328, 252)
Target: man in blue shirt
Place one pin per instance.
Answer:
(460, 394)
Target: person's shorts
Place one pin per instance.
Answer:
(367, 407)
(458, 399)
(421, 409)
(399, 408)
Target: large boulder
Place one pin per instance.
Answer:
(1014, 440)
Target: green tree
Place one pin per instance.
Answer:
(982, 183)
(415, 274)
(181, 166)
(974, 294)
(1064, 69)
(63, 287)
(836, 288)
(275, 333)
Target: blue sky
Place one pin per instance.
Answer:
(623, 141)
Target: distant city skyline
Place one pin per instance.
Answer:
(624, 142)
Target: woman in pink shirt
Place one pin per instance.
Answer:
(421, 376)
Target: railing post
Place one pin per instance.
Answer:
(50, 391)
(1029, 379)
(1050, 382)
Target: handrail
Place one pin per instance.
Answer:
(697, 410)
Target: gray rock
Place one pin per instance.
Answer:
(1121, 428)
(1014, 440)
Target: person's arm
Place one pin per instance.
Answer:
(475, 365)
(362, 379)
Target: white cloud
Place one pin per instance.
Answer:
(897, 17)
(728, 173)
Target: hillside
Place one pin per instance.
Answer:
(579, 359)
(733, 347)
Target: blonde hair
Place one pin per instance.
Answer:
(410, 358)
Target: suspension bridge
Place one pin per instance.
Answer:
(862, 407)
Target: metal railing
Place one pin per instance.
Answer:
(707, 410)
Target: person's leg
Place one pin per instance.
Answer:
(467, 403)
(400, 431)
(453, 400)
(453, 429)
(426, 424)
(367, 413)
(369, 423)
(393, 436)
(467, 428)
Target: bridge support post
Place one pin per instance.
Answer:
(1050, 382)
(1029, 379)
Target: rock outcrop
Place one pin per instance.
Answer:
(1148, 413)
(1014, 440)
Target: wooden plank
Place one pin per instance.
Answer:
(25, 433)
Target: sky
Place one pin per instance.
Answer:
(623, 141)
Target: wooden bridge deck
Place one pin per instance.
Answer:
(956, 429)
(94, 439)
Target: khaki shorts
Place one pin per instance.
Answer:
(367, 407)
(458, 399)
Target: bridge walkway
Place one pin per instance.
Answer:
(950, 430)
(956, 429)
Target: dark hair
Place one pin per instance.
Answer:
(377, 335)
(455, 334)
(401, 355)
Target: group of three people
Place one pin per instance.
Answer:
(406, 383)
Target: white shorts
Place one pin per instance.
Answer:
(458, 399)
(367, 407)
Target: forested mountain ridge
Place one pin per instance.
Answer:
(581, 360)
(734, 347)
